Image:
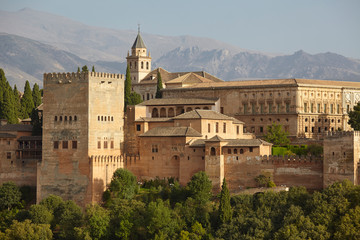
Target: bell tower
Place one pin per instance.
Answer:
(139, 61)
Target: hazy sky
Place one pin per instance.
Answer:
(279, 26)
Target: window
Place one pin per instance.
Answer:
(318, 108)
(221, 109)
(319, 130)
(338, 108)
(261, 129)
(325, 107)
(251, 149)
(154, 148)
(224, 128)
(102, 118)
(270, 107)
(312, 108)
(105, 144)
(237, 129)
(65, 118)
(99, 144)
(8, 155)
(261, 108)
(112, 118)
(142, 65)
(209, 128)
(229, 151)
(212, 151)
(70, 118)
(235, 151)
(305, 107)
(287, 107)
(147, 65)
(130, 65)
(252, 108)
(245, 108)
(347, 108)
(55, 118)
(147, 96)
(331, 108)
(241, 151)
(75, 118)
(312, 129)
(56, 144)
(74, 144)
(278, 108)
(64, 144)
(306, 129)
(217, 127)
(60, 118)
(112, 144)
(138, 127)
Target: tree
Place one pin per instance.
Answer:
(17, 103)
(127, 87)
(28, 230)
(78, 70)
(36, 122)
(123, 184)
(97, 221)
(159, 86)
(10, 195)
(262, 180)
(39, 214)
(354, 117)
(135, 98)
(200, 187)
(225, 212)
(68, 216)
(276, 135)
(8, 106)
(84, 69)
(36, 95)
(93, 68)
(27, 102)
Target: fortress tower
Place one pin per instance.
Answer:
(82, 134)
(139, 61)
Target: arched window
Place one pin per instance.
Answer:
(162, 112)
(142, 65)
(70, 118)
(212, 151)
(55, 118)
(155, 113)
(171, 112)
(147, 65)
(235, 151)
(130, 65)
(241, 151)
(75, 118)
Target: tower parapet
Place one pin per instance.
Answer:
(62, 78)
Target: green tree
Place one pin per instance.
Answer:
(17, 103)
(93, 68)
(127, 87)
(36, 122)
(135, 98)
(200, 187)
(159, 86)
(3, 82)
(10, 195)
(39, 214)
(225, 212)
(123, 184)
(36, 95)
(276, 135)
(262, 180)
(84, 69)
(28, 230)
(8, 106)
(27, 102)
(78, 69)
(68, 216)
(349, 225)
(97, 221)
(354, 117)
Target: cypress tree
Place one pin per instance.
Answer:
(2, 90)
(78, 70)
(8, 108)
(93, 68)
(27, 103)
(127, 87)
(85, 69)
(225, 212)
(36, 122)
(36, 95)
(17, 104)
(159, 86)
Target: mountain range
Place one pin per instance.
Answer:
(33, 42)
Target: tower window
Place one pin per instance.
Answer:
(224, 127)
(209, 127)
(65, 118)
(75, 118)
(55, 118)
(74, 144)
(217, 127)
(56, 144)
(99, 144)
(142, 65)
(65, 144)
(147, 65)
(105, 144)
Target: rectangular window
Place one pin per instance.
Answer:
(99, 144)
(338, 108)
(245, 108)
(138, 127)
(347, 108)
(221, 109)
(250, 149)
(224, 128)
(105, 144)
(312, 129)
(261, 129)
(112, 144)
(217, 127)
(331, 108)
(305, 107)
(318, 108)
(252, 108)
(270, 107)
(325, 107)
(154, 148)
(56, 144)
(306, 129)
(319, 129)
(278, 107)
(237, 129)
(261, 108)
(287, 107)
(312, 108)
(65, 144)
(74, 144)
(8, 155)
(209, 127)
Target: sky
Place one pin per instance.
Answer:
(274, 26)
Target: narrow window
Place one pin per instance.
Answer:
(235, 151)
(312, 129)
(251, 149)
(56, 144)
(98, 118)
(338, 108)
(217, 127)
(306, 129)
(318, 108)
(8, 155)
(212, 151)
(105, 144)
(65, 118)
(237, 129)
(325, 107)
(224, 128)
(252, 108)
(287, 107)
(102, 118)
(305, 107)
(245, 108)
(112, 118)
(209, 128)
(112, 144)
(55, 118)
(75, 118)
(229, 151)
(312, 108)
(261, 108)
(65, 144)
(270, 107)
(331, 108)
(99, 144)
(142, 65)
(74, 144)
(347, 108)
(241, 151)
(70, 118)
(261, 129)
(138, 127)
(60, 118)
(147, 65)
(147, 96)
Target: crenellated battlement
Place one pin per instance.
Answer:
(341, 134)
(106, 159)
(75, 76)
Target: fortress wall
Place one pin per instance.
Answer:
(240, 173)
(21, 172)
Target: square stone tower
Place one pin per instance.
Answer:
(82, 134)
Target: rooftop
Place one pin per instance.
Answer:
(16, 128)
(231, 142)
(171, 132)
(205, 114)
(7, 135)
(179, 101)
(139, 43)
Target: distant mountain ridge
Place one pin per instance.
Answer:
(34, 42)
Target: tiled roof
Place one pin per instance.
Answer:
(246, 143)
(178, 101)
(189, 78)
(171, 132)
(145, 119)
(16, 128)
(205, 114)
(30, 138)
(7, 135)
(151, 78)
(139, 43)
(271, 83)
(215, 138)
